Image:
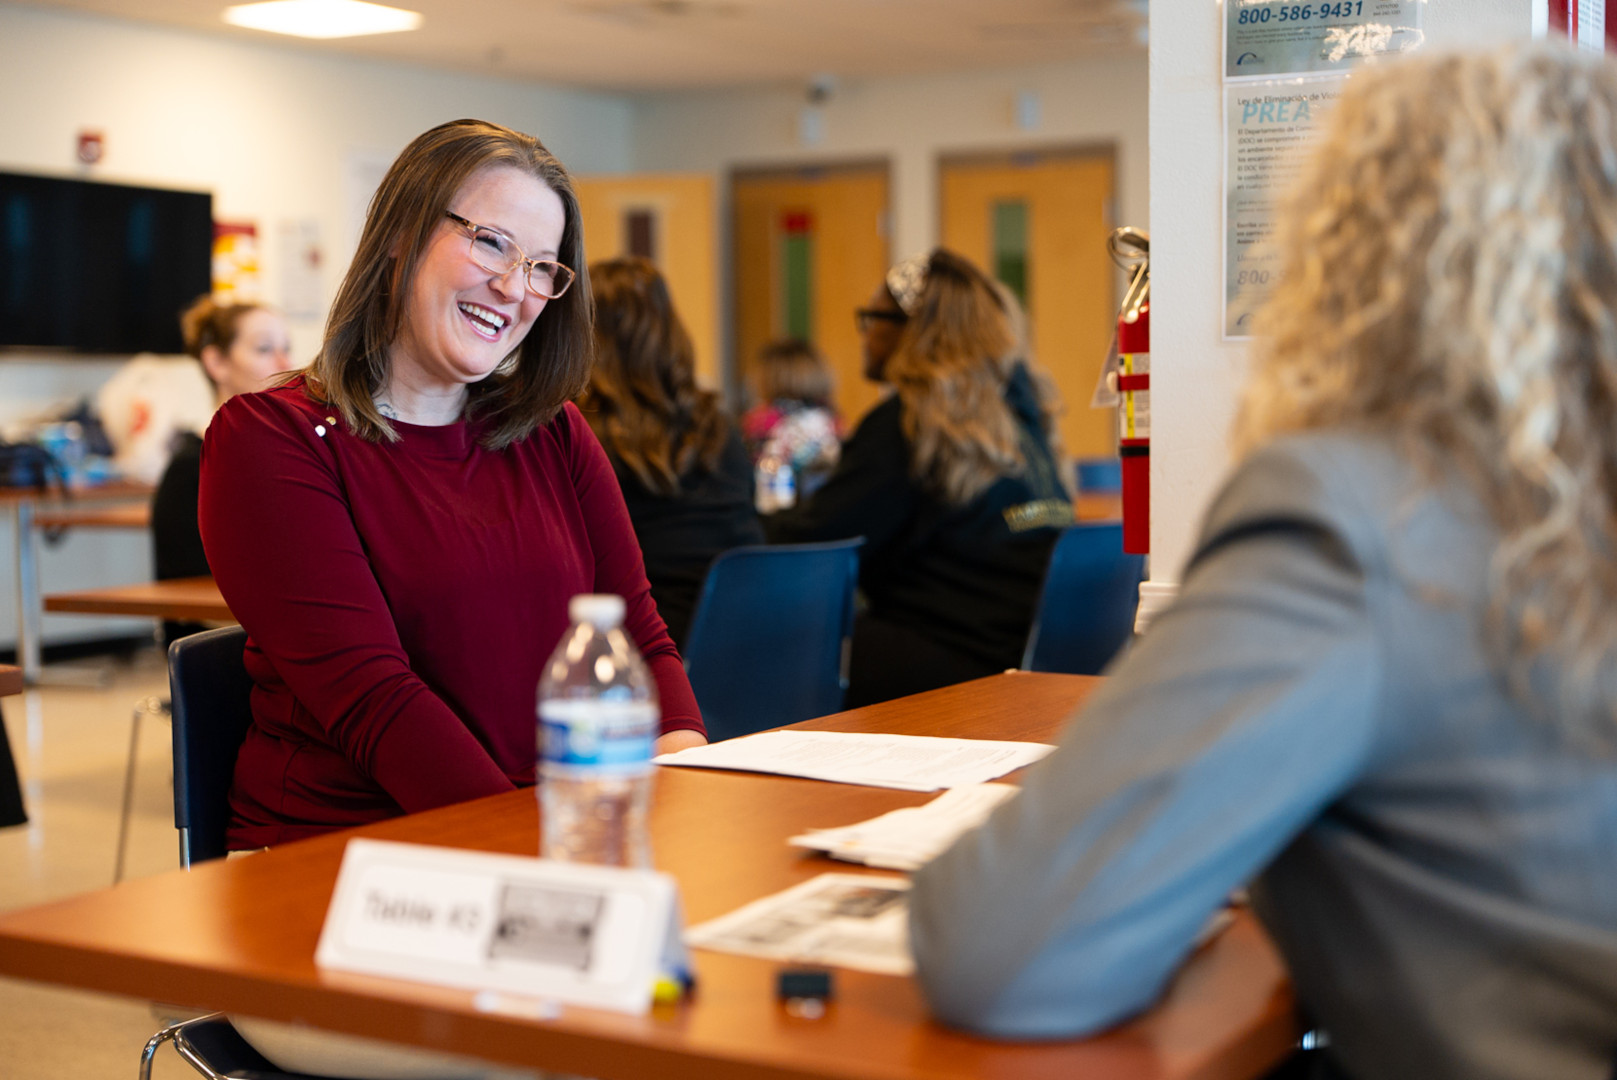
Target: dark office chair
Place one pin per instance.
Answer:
(210, 690)
(1086, 608)
(768, 642)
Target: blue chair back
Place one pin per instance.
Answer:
(1100, 475)
(1086, 608)
(767, 642)
(211, 694)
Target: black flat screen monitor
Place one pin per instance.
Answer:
(99, 268)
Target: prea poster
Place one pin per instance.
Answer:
(1268, 127)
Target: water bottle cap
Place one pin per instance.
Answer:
(602, 610)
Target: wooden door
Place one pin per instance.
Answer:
(669, 218)
(810, 245)
(1038, 221)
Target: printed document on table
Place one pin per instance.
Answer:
(909, 838)
(843, 920)
(906, 762)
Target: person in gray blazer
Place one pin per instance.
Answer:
(1386, 697)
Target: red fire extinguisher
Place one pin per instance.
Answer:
(1131, 248)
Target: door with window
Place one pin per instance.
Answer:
(810, 244)
(669, 219)
(1038, 221)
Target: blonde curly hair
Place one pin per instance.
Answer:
(1450, 279)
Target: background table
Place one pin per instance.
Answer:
(180, 599)
(240, 935)
(23, 504)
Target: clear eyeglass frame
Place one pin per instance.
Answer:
(499, 254)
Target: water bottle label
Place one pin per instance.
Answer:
(616, 740)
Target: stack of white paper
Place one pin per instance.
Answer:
(906, 762)
(908, 838)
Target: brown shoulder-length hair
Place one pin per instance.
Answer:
(792, 369)
(949, 369)
(542, 374)
(642, 401)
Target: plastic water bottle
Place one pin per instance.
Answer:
(598, 720)
(775, 485)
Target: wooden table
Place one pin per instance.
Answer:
(10, 680)
(240, 935)
(181, 599)
(1098, 506)
(23, 504)
(137, 515)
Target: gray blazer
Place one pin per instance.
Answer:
(1318, 712)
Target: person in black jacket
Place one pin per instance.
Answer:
(951, 481)
(241, 347)
(684, 470)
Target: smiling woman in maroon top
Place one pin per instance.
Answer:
(399, 528)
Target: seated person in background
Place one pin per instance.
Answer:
(794, 422)
(683, 468)
(400, 528)
(240, 348)
(1388, 689)
(951, 481)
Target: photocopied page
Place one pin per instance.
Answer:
(843, 920)
(909, 838)
(905, 762)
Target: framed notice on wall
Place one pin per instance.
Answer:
(1285, 63)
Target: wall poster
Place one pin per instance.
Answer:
(1285, 63)
(1268, 38)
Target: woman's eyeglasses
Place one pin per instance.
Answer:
(865, 317)
(499, 254)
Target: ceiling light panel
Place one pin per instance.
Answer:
(322, 18)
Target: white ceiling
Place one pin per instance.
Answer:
(667, 44)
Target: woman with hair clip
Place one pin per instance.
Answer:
(951, 481)
(684, 471)
(240, 347)
(400, 527)
(1387, 693)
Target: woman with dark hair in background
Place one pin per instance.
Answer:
(685, 474)
(951, 481)
(241, 347)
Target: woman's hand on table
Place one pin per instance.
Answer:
(682, 739)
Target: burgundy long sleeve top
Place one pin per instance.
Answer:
(400, 601)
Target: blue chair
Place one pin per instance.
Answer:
(1102, 475)
(768, 641)
(211, 695)
(1086, 608)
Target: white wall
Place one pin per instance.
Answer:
(908, 121)
(1195, 377)
(270, 130)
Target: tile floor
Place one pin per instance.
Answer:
(71, 745)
